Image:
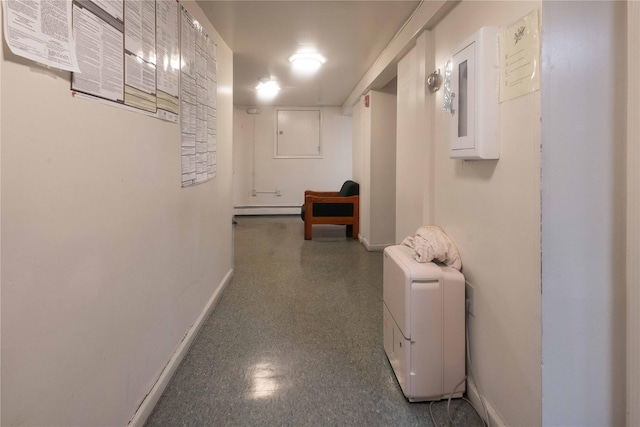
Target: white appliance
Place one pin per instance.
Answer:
(424, 325)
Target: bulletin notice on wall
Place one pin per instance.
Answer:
(149, 56)
(140, 54)
(99, 41)
(197, 102)
(168, 59)
(129, 53)
(520, 57)
(41, 32)
(112, 7)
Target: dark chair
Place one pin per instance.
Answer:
(332, 207)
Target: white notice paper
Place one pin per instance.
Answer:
(100, 55)
(41, 31)
(168, 57)
(520, 57)
(112, 7)
(140, 55)
(198, 103)
(140, 30)
(188, 104)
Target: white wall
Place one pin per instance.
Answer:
(633, 215)
(410, 148)
(491, 210)
(583, 203)
(291, 176)
(106, 262)
(362, 163)
(378, 190)
(503, 216)
(358, 135)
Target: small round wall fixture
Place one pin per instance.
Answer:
(434, 81)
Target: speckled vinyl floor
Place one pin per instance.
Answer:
(296, 340)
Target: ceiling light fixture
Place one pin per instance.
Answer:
(307, 61)
(267, 89)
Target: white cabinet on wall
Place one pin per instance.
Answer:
(377, 115)
(474, 97)
(298, 134)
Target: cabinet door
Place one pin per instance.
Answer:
(463, 91)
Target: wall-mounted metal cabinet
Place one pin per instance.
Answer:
(474, 97)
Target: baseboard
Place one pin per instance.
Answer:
(474, 397)
(373, 248)
(266, 210)
(149, 402)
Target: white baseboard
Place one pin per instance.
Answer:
(266, 210)
(373, 248)
(474, 397)
(149, 402)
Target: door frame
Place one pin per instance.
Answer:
(633, 214)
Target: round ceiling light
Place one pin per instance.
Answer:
(267, 89)
(306, 61)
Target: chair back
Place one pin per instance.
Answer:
(349, 188)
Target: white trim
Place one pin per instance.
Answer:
(373, 248)
(633, 214)
(1, 283)
(474, 397)
(267, 210)
(149, 402)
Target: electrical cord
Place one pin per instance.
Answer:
(451, 423)
(433, 420)
(450, 396)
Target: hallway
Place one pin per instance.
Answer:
(296, 339)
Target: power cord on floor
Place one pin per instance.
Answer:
(451, 423)
(450, 396)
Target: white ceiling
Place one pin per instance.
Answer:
(264, 34)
